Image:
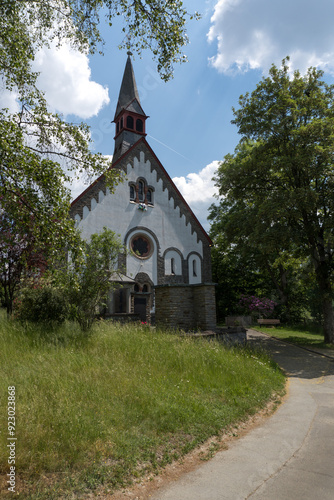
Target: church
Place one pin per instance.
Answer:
(166, 273)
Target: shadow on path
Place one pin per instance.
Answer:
(295, 361)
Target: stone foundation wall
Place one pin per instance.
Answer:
(189, 307)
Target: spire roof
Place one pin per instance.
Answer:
(128, 94)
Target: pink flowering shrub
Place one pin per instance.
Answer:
(262, 306)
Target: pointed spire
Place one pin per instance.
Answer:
(129, 116)
(128, 92)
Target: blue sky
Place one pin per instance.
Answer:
(189, 128)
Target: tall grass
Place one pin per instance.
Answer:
(118, 403)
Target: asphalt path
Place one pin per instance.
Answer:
(291, 455)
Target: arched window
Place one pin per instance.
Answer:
(141, 193)
(149, 196)
(194, 268)
(139, 125)
(122, 122)
(129, 122)
(145, 289)
(172, 265)
(132, 192)
(117, 127)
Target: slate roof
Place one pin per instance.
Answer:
(128, 95)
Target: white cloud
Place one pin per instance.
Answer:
(65, 78)
(254, 34)
(198, 190)
(8, 100)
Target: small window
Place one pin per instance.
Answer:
(139, 125)
(129, 122)
(194, 268)
(122, 122)
(172, 265)
(117, 128)
(136, 288)
(132, 192)
(141, 195)
(145, 289)
(149, 197)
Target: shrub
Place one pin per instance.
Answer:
(44, 304)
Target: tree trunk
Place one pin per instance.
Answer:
(328, 311)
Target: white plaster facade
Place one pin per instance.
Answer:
(161, 224)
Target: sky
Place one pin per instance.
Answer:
(231, 48)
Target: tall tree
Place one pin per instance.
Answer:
(283, 170)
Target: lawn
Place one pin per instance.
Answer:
(299, 335)
(102, 410)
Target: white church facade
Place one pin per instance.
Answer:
(168, 251)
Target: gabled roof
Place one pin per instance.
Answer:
(175, 191)
(128, 94)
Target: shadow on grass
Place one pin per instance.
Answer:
(305, 342)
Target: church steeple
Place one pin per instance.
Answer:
(129, 116)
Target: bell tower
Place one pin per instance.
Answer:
(129, 116)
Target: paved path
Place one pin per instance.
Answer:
(290, 456)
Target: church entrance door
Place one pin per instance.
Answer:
(140, 307)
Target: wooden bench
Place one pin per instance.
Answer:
(265, 322)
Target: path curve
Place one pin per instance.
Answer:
(290, 456)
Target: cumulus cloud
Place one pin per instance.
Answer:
(253, 34)
(65, 78)
(198, 190)
(8, 99)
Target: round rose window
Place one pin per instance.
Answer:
(141, 246)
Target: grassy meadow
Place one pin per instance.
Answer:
(101, 410)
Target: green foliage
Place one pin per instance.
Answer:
(277, 186)
(148, 24)
(235, 274)
(41, 304)
(120, 403)
(87, 278)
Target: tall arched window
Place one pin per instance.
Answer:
(149, 196)
(129, 122)
(141, 193)
(132, 192)
(194, 268)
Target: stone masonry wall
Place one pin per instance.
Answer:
(189, 307)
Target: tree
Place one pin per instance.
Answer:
(87, 278)
(20, 254)
(283, 171)
(261, 258)
(39, 151)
